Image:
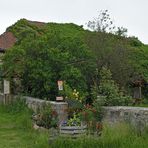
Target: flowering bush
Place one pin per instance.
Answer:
(92, 117)
(72, 93)
(46, 117)
(74, 99)
(88, 113)
(76, 96)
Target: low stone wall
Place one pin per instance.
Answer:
(59, 107)
(136, 116)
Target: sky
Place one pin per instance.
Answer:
(130, 14)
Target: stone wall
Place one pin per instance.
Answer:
(59, 107)
(136, 116)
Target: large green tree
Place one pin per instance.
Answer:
(44, 54)
(40, 59)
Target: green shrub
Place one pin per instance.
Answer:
(109, 90)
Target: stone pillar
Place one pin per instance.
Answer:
(60, 107)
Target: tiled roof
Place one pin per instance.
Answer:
(39, 24)
(7, 40)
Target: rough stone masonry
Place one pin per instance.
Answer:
(59, 107)
(136, 116)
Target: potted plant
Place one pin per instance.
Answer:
(73, 126)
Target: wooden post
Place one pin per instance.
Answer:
(140, 92)
(4, 101)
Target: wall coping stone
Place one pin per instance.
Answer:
(59, 107)
(132, 108)
(39, 100)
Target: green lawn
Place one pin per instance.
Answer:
(16, 132)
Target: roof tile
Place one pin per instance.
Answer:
(7, 40)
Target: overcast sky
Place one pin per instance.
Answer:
(131, 14)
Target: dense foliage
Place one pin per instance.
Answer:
(50, 52)
(110, 90)
(40, 60)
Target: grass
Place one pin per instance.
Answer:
(119, 136)
(16, 129)
(16, 132)
(14, 136)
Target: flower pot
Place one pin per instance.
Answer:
(72, 131)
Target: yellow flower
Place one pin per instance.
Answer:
(76, 95)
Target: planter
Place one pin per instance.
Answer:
(72, 131)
